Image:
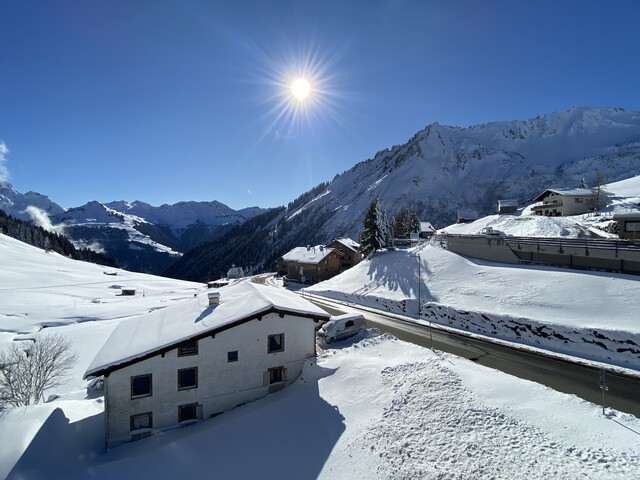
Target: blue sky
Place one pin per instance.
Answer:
(164, 101)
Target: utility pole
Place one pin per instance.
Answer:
(603, 386)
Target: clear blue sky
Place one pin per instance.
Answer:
(163, 101)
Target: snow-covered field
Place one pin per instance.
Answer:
(373, 407)
(592, 315)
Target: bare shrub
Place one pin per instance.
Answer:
(27, 370)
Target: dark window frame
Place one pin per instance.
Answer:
(141, 395)
(132, 419)
(232, 356)
(275, 350)
(279, 377)
(185, 349)
(185, 406)
(187, 387)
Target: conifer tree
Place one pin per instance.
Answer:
(377, 232)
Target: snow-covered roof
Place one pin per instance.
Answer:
(572, 192)
(426, 227)
(235, 272)
(347, 242)
(310, 255)
(509, 202)
(162, 329)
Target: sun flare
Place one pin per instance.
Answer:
(300, 88)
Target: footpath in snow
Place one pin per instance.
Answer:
(592, 315)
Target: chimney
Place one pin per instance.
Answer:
(308, 248)
(214, 298)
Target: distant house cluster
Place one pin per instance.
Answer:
(312, 264)
(198, 358)
(552, 202)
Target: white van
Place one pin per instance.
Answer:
(341, 326)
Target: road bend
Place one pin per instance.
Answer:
(563, 375)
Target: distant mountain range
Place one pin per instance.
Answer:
(141, 237)
(439, 171)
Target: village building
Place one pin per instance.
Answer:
(235, 272)
(350, 250)
(563, 202)
(201, 357)
(629, 223)
(507, 206)
(426, 230)
(309, 265)
(466, 216)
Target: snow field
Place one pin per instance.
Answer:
(591, 315)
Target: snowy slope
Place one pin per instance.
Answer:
(16, 204)
(374, 408)
(442, 169)
(358, 411)
(591, 315)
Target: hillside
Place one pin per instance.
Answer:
(357, 411)
(440, 170)
(50, 241)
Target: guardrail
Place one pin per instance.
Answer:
(621, 256)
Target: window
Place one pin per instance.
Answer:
(187, 378)
(632, 226)
(232, 356)
(579, 200)
(142, 420)
(276, 343)
(188, 412)
(188, 348)
(349, 323)
(141, 386)
(276, 375)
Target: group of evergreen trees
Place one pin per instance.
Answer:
(41, 238)
(379, 232)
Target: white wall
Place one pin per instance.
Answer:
(221, 385)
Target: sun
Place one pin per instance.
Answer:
(300, 88)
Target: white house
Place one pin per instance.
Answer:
(194, 360)
(564, 202)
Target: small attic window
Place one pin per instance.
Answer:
(188, 348)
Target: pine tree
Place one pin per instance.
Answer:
(406, 222)
(377, 232)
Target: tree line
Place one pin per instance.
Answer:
(50, 241)
(379, 231)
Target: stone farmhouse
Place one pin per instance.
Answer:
(200, 357)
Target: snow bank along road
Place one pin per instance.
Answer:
(562, 375)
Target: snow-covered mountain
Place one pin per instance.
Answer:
(442, 169)
(16, 204)
(140, 236)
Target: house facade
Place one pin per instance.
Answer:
(564, 202)
(629, 223)
(507, 206)
(310, 265)
(350, 252)
(193, 361)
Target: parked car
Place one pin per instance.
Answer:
(341, 326)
